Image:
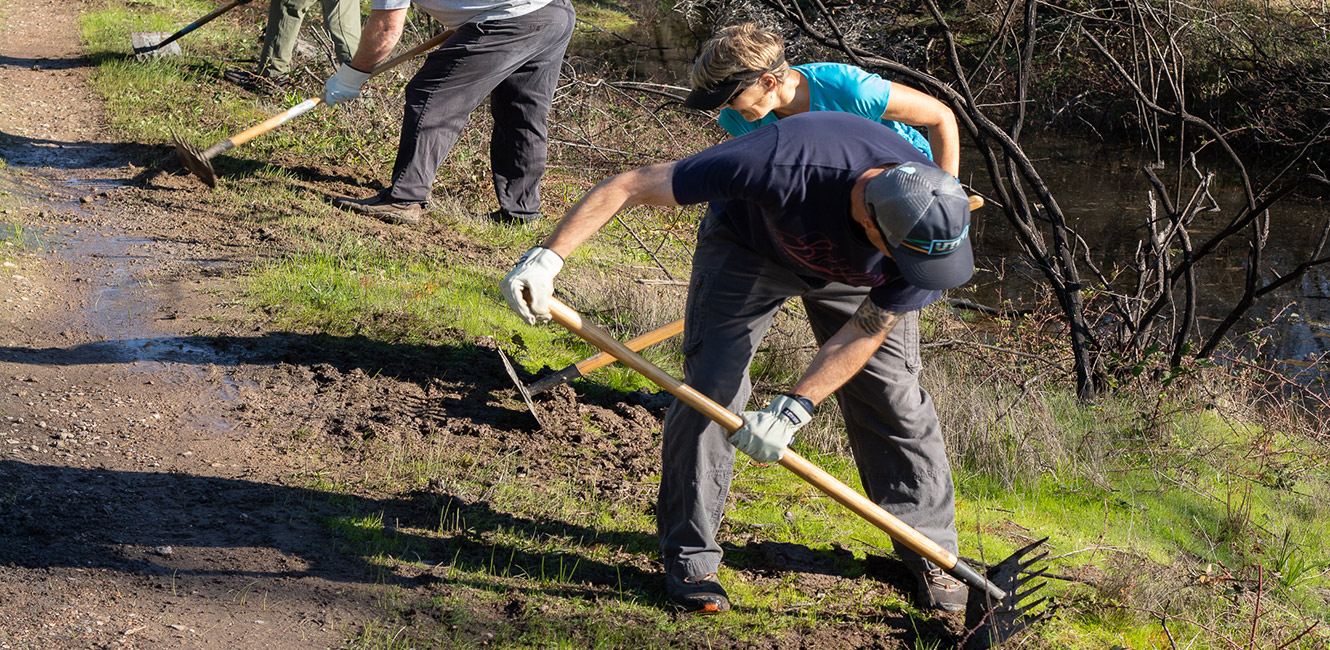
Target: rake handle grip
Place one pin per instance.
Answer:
(814, 475)
(196, 24)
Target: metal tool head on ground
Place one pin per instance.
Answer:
(194, 160)
(989, 622)
(158, 44)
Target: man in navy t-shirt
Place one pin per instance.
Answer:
(845, 214)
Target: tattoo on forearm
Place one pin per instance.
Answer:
(872, 319)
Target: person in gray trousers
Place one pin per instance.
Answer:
(508, 50)
(846, 215)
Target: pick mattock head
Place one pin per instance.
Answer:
(194, 161)
(990, 623)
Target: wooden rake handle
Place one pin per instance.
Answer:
(814, 475)
(309, 104)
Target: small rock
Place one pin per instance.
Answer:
(89, 198)
(163, 550)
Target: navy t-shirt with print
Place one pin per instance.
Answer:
(784, 189)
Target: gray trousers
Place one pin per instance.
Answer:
(893, 429)
(515, 62)
(340, 17)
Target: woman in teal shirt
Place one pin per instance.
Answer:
(743, 69)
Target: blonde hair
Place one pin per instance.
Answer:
(738, 49)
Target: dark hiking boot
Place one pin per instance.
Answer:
(697, 594)
(938, 590)
(275, 84)
(384, 209)
(504, 216)
(243, 78)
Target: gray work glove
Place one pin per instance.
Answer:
(766, 433)
(534, 274)
(345, 85)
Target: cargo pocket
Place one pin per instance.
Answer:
(695, 317)
(910, 330)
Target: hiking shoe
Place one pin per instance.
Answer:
(504, 216)
(240, 77)
(380, 207)
(256, 82)
(938, 590)
(697, 594)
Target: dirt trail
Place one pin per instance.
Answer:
(137, 512)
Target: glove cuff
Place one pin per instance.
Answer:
(790, 408)
(352, 75)
(542, 258)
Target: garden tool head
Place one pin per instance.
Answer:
(149, 45)
(990, 622)
(521, 388)
(194, 161)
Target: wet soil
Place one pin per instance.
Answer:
(157, 437)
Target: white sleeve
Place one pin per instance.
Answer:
(389, 4)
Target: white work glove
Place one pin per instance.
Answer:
(345, 85)
(534, 273)
(766, 433)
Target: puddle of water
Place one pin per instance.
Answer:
(122, 310)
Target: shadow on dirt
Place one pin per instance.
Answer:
(173, 524)
(32, 63)
(27, 151)
(407, 361)
(174, 527)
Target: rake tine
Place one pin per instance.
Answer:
(1033, 561)
(1028, 592)
(993, 621)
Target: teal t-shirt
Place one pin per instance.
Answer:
(837, 87)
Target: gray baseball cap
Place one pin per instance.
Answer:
(924, 216)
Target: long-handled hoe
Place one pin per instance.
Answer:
(995, 608)
(150, 44)
(200, 162)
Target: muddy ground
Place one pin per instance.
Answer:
(157, 437)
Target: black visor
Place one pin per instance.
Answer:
(709, 99)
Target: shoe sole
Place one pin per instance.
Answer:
(397, 220)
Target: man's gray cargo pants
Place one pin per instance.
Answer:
(733, 296)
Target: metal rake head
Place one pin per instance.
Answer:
(991, 622)
(194, 160)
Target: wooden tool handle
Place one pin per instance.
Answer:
(309, 104)
(411, 53)
(271, 123)
(640, 343)
(874, 514)
(976, 202)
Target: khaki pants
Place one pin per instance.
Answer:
(340, 17)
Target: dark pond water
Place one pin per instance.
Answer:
(1106, 198)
